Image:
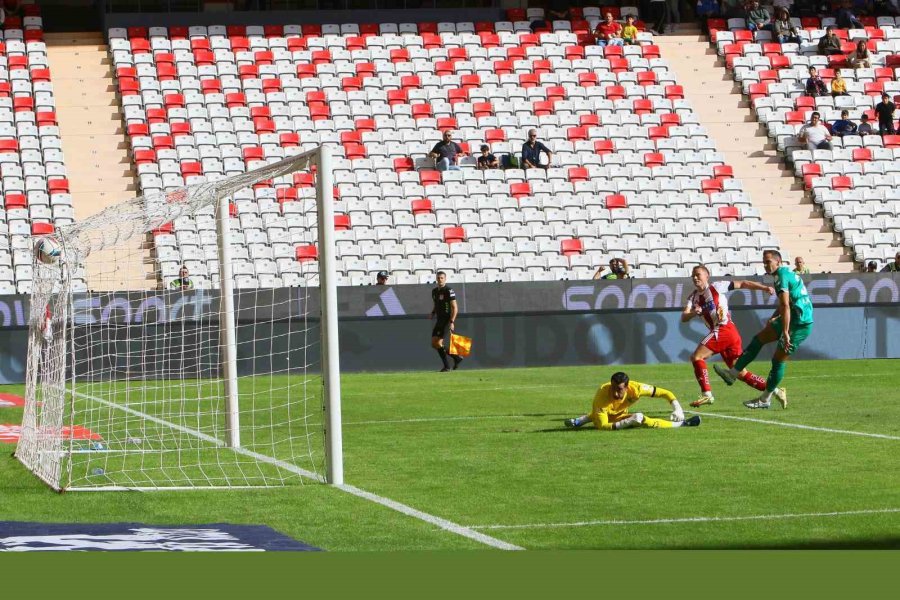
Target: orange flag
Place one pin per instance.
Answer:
(460, 345)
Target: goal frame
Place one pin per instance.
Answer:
(319, 159)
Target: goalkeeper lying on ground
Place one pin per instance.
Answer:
(613, 399)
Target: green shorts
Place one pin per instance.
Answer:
(798, 331)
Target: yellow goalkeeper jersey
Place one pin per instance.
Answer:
(604, 402)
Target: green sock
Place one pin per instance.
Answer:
(775, 375)
(749, 355)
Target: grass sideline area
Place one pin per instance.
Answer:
(487, 450)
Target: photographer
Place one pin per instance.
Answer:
(618, 269)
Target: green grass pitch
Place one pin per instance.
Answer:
(487, 449)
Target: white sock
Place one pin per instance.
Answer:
(677, 423)
(708, 394)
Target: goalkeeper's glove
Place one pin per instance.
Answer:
(631, 421)
(677, 413)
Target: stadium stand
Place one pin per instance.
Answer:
(856, 182)
(35, 189)
(633, 174)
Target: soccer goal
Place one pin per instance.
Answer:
(143, 377)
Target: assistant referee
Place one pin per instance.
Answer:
(445, 311)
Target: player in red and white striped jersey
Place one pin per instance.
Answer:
(709, 301)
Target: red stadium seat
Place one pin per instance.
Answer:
(58, 186)
(862, 154)
(519, 190)
(578, 174)
(711, 186)
(723, 172)
(289, 140)
(604, 147)
(422, 206)
(728, 214)
(16, 201)
(654, 159)
(810, 171)
(427, 178)
(341, 222)
(616, 201)
(42, 229)
(577, 133)
(571, 247)
(307, 253)
(841, 182)
(453, 235)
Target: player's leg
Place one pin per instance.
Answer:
(766, 336)
(575, 422)
(701, 373)
(653, 423)
(730, 356)
(779, 365)
(437, 342)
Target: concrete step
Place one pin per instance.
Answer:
(730, 122)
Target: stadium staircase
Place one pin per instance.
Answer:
(93, 137)
(727, 116)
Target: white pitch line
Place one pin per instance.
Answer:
(881, 436)
(873, 511)
(438, 419)
(409, 511)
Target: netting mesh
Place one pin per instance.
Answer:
(126, 386)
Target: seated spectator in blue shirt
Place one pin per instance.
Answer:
(446, 153)
(843, 126)
(531, 152)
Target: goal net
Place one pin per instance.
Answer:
(143, 376)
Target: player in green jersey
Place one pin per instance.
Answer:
(789, 326)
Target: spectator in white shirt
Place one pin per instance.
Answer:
(815, 135)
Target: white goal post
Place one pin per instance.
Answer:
(226, 377)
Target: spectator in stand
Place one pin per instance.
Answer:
(609, 32)
(531, 152)
(872, 267)
(843, 126)
(838, 85)
(861, 59)
(658, 12)
(446, 153)
(815, 135)
(885, 111)
(892, 267)
(487, 160)
(815, 85)
(887, 7)
(707, 9)
(800, 267)
(783, 30)
(674, 8)
(618, 269)
(845, 19)
(864, 127)
(830, 43)
(381, 278)
(757, 17)
(630, 31)
(184, 281)
(554, 10)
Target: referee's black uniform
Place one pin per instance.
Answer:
(442, 297)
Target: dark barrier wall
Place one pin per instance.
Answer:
(513, 325)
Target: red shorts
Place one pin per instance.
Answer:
(727, 343)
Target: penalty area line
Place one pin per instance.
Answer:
(404, 509)
(880, 436)
(775, 517)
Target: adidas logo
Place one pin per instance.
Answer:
(388, 305)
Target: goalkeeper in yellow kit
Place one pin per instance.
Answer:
(613, 399)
